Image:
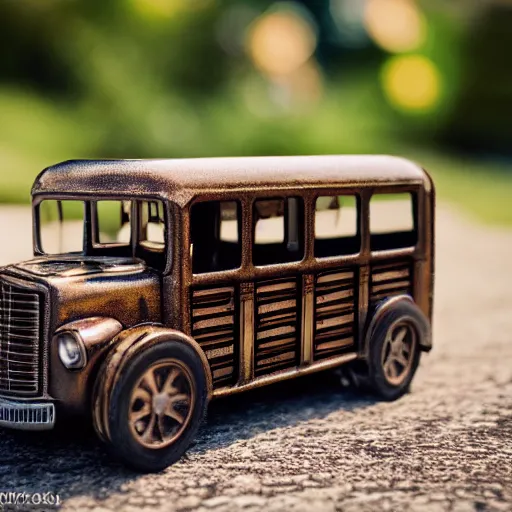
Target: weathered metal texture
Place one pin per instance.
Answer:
(230, 328)
(390, 279)
(74, 388)
(11, 277)
(215, 328)
(277, 325)
(246, 333)
(22, 415)
(265, 380)
(80, 287)
(126, 346)
(335, 314)
(417, 258)
(153, 404)
(423, 327)
(76, 289)
(307, 321)
(180, 180)
(94, 332)
(20, 326)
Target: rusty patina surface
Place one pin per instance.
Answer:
(121, 306)
(180, 180)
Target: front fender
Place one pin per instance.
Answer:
(124, 347)
(72, 388)
(94, 332)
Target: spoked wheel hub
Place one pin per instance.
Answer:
(161, 403)
(398, 352)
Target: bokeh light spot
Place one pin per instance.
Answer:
(281, 41)
(395, 25)
(412, 82)
(306, 83)
(348, 16)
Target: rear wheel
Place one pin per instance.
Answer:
(398, 351)
(156, 406)
(394, 352)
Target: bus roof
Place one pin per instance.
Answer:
(180, 180)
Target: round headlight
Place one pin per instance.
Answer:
(71, 351)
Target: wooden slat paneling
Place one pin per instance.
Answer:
(389, 279)
(335, 317)
(277, 344)
(214, 328)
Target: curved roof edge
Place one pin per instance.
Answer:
(180, 179)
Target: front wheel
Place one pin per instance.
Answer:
(156, 406)
(394, 352)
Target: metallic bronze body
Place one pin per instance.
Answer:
(252, 325)
(125, 347)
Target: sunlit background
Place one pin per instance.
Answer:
(430, 79)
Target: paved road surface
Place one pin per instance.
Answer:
(314, 445)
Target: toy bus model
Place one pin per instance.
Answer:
(158, 285)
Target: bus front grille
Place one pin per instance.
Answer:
(20, 331)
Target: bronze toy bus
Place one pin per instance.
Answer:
(158, 285)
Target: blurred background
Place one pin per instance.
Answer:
(428, 79)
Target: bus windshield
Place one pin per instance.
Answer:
(62, 229)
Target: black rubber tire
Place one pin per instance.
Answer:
(403, 312)
(122, 443)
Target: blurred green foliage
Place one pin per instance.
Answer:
(175, 78)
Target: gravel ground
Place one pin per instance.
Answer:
(313, 444)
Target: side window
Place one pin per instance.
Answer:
(336, 226)
(278, 231)
(61, 226)
(152, 229)
(215, 236)
(112, 223)
(392, 221)
(151, 234)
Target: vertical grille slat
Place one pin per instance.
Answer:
(335, 312)
(20, 327)
(214, 328)
(277, 342)
(389, 279)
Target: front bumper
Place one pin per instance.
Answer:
(27, 415)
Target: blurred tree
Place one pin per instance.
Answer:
(30, 55)
(480, 116)
(131, 68)
(142, 78)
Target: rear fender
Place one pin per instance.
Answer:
(382, 309)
